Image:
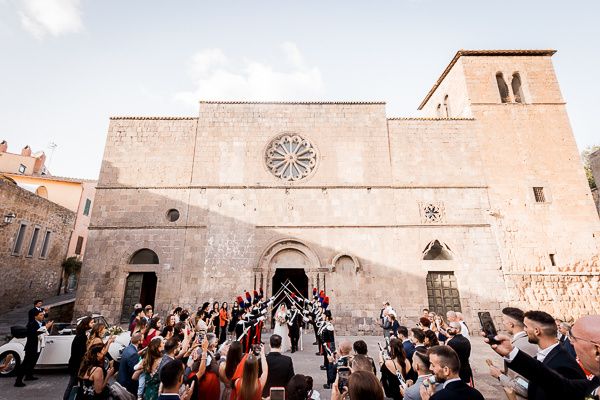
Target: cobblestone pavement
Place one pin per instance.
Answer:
(51, 384)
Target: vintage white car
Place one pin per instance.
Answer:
(57, 350)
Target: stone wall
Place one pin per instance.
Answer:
(24, 277)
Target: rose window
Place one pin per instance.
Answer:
(432, 213)
(291, 158)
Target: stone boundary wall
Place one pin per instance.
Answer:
(24, 277)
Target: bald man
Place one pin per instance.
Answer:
(585, 337)
(342, 359)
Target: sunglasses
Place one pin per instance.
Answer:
(575, 338)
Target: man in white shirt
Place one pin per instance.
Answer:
(464, 328)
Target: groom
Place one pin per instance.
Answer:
(295, 324)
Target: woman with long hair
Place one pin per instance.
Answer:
(78, 350)
(96, 337)
(227, 368)
(249, 386)
(153, 330)
(394, 369)
(149, 368)
(169, 329)
(93, 378)
(215, 319)
(223, 321)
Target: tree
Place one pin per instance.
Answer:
(585, 158)
(70, 266)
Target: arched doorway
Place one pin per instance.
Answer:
(140, 287)
(288, 260)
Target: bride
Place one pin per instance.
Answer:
(281, 327)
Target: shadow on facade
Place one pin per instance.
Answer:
(227, 241)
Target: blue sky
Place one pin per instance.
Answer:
(67, 65)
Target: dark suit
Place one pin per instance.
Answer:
(457, 390)
(549, 381)
(560, 361)
(31, 351)
(281, 370)
(566, 344)
(462, 347)
(31, 315)
(409, 349)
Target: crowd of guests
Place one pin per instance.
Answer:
(195, 356)
(188, 356)
(542, 360)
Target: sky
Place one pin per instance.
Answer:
(66, 66)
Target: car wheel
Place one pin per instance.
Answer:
(13, 365)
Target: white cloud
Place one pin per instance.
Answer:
(217, 78)
(53, 17)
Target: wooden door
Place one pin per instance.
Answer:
(442, 292)
(133, 290)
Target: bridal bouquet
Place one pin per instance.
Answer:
(115, 330)
(281, 318)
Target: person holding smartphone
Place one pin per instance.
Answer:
(249, 386)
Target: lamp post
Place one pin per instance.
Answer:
(9, 218)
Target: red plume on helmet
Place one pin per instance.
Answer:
(314, 292)
(240, 302)
(248, 297)
(261, 293)
(326, 302)
(255, 293)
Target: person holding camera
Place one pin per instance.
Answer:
(394, 368)
(585, 336)
(336, 362)
(445, 367)
(249, 386)
(361, 385)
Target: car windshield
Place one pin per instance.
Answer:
(68, 328)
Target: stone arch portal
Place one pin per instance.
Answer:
(289, 259)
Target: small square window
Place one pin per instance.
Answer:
(22, 169)
(539, 194)
(552, 260)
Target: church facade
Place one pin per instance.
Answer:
(480, 203)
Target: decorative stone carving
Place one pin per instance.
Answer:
(432, 213)
(291, 157)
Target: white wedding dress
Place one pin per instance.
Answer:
(282, 330)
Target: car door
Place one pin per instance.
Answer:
(57, 351)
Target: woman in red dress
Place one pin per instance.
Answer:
(209, 386)
(249, 386)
